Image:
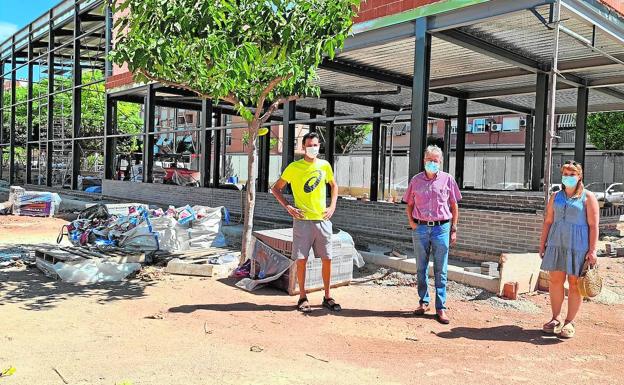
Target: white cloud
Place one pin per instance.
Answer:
(6, 30)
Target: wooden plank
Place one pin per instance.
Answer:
(521, 268)
(46, 268)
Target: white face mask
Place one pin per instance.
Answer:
(312, 151)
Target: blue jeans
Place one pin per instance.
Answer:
(432, 242)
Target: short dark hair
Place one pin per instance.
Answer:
(310, 135)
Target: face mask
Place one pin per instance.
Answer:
(569, 181)
(312, 152)
(432, 167)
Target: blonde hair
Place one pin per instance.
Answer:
(578, 169)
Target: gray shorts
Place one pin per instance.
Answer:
(312, 235)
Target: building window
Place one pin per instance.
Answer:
(478, 125)
(228, 137)
(511, 123)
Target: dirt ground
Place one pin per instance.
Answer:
(182, 330)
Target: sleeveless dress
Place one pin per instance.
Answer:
(568, 238)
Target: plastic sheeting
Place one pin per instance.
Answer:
(202, 232)
(271, 263)
(94, 271)
(33, 203)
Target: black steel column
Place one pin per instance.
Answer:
(539, 133)
(263, 162)
(76, 101)
(580, 139)
(206, 143)
(29, 109)
(148, 134)
(2, 107)
(109, 143)
(13, 112)
(382, 162)
(288, 144)
(447, 145)
(218, 135)
(374, 182)
(50, 133)
(420, 97)
(460, 143)
(312, 125)
(108, 66)
(528, 150)
(1, 115)
(330, 132)
(224, 149)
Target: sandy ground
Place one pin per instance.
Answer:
(181, 330)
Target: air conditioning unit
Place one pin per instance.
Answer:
(496, 127)
(523, 122)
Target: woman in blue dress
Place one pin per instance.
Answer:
(569, 238)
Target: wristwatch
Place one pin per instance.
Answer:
(453, 227)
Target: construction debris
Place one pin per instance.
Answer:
(30, 203)
(142, 229)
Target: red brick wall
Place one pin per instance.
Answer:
(617, 5)
(118, 80)
(372, 9)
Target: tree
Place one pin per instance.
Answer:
(252, 54)
(349, 138)
(606, 130)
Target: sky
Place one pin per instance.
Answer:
(15, 14)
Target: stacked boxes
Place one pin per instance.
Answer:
(343, 251)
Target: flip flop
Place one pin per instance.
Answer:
(331, 304)
(303, 305)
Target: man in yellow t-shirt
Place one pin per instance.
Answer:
(311, 226)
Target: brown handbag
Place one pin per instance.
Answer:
(590, 281)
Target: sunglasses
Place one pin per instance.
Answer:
(573, 163)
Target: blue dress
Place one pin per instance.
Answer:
(568, 238)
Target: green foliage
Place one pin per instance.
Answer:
(349, 137)
(606, 130)
(238, 51)
(92, 109)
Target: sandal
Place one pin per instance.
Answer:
(331, 304)
(567, 331)
(552, 327)
(303, 305)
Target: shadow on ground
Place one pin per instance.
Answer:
(504, 333)
(317, 310)
(31, 290)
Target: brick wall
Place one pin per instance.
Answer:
(484, 234)
(372, 9)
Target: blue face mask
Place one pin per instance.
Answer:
(569, 181)
(432, 167)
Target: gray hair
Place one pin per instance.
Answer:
(433, 149)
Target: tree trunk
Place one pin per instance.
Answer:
(250, 202)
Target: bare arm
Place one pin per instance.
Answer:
(455, 213)
(334, 199)
(409, 210)
(593, 217)
(549, 217)
(276, 190)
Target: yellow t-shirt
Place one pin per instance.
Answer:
(307, 181)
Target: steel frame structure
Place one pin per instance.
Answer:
(68, 26)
